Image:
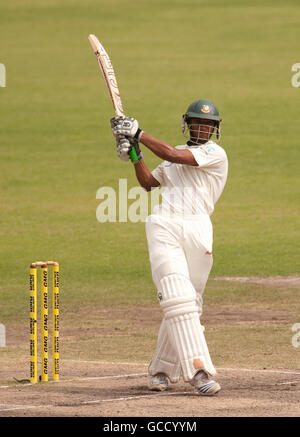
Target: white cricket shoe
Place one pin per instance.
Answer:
(204, 385)
(158, 382)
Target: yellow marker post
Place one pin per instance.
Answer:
(44, 322)
(33, 323)
(55, 322)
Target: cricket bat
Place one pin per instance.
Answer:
(110, 81)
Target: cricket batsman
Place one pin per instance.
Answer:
(180, 238)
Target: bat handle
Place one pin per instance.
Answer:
(133, 155)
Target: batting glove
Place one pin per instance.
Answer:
(128, 126)
(123, 148)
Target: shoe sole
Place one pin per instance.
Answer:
(206, 390)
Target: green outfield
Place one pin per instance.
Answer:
(57, 150)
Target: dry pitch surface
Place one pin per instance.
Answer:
(118, 389)
(257, 378)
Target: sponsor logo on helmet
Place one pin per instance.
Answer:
(205, 109)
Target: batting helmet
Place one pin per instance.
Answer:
(204, 109)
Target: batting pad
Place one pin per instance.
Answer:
(185, 333)
(165, 359)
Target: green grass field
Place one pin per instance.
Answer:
(57, 149)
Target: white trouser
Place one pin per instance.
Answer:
(180, 267)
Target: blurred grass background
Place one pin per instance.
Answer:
(57, 149)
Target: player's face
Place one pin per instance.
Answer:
(201, 129)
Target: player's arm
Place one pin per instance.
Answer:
(144, 176)
(128, 126)
(166, 151)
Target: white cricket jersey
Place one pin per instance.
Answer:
(192, 190)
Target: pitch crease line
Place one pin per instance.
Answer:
(145, 374)
(288, 382)
(106, 362)
(91, 378)
(128, 398)
(88, 378)
(27, 407)
(96, 401)
(289, 372)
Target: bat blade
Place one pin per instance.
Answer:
(110, 81)
(108, 74)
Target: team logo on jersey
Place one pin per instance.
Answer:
(205, 109)
(209, 148)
